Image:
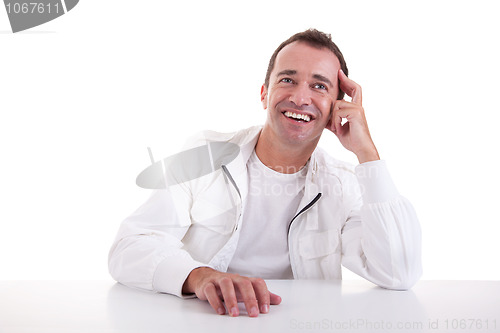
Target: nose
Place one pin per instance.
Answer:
(301, 95)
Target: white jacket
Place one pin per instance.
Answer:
(354, 218)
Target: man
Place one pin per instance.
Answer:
(282, 208)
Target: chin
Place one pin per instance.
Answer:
(301, 138)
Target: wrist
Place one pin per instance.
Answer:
(368, 155)
(189, 286)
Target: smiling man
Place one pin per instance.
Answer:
(282, 208)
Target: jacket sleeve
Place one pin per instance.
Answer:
(147, 252)
(381, 240)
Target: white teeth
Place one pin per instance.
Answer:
(304, 117)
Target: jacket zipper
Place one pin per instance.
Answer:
(228, 176)
(226, 171)
(290, 248)
(309, 205)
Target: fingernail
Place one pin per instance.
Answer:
(254, 312)
(234, 311)
(264, 308)
(221, 311)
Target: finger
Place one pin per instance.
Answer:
(213, 298)
(275, 299)
(351, 112)
(337, 118)
(262, 294)
(229, 295)
(245, 287)
(351, 88)
(348, 114)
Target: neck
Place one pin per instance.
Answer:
(281, 156)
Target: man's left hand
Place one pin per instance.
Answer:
(353, 134)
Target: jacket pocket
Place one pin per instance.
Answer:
(319, 244)
(321, 255)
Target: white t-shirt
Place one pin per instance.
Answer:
(272, 202)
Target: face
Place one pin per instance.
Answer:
(302, 88)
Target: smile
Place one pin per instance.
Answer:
(297, 116)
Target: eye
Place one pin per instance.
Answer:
(286, 80)
(319, 86)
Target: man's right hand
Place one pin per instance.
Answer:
(215, 287)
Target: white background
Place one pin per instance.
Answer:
(83, 96)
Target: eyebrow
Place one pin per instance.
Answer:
(315, 76)
(287, 72)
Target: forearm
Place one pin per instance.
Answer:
(382, 241)
(392, 243)
(149, 263)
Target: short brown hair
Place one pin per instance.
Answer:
(314, 38)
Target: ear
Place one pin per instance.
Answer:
(263, 96)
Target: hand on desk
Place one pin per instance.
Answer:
(215, 287)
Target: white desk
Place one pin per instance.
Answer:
(308, 306)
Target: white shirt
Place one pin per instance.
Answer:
(271, 204)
